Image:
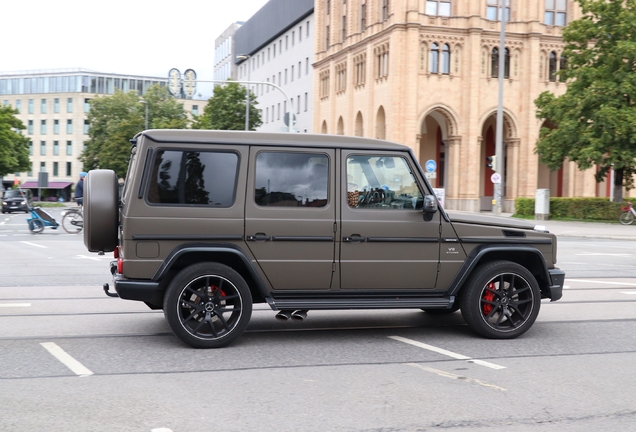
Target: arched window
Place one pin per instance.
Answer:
(494, 63)
(563, 64)
(434, 63)
(552, 67)
(446, 59)
(507, 63)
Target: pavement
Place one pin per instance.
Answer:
(595, 230)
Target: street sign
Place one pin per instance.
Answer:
(190, 82)
(430, 165)
(495, 178)
(286, 119)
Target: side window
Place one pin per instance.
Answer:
(381, 182)
(193, 178)
(291, 179)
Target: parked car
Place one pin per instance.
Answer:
(17, 200)
(210, 222)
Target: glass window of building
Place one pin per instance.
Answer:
(30, 127)
(56, 148)
(87, 105)
(42, 148)
(42, 166)
(69, 126)
(55, 169)
(30, 106)
(69, 148)
(18, 106)
(86, 127)
(434, 59)
(492, 10)
(43, 106)
(56, 105)
(68, 169)
(555, 12)
(42, 127)
(195, 109)
(30, 148)
(438, 7)
(69, 105)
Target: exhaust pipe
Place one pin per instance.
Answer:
(299, 315)
(283, 315)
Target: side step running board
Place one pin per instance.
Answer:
(364, 303)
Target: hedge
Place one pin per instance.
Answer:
(598, 209)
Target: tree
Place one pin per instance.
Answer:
(115, 119)
(226, 109)
(595, 120)
(14, 148)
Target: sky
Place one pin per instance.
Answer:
(138, 37)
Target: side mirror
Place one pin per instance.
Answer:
(430, 207)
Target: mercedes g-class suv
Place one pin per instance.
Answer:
(210, 222)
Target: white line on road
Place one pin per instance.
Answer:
(15, 304)
(66, 359)
(456, 377)
(33, 244)
(603, 254)
(629, 292)
(94, 258)
(446, 352)
(601, 282)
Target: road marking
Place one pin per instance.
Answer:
(629, 292)
(446, 352)
(603, 254)
(161, 430)
(602, 282)
(33, 244)
(66, 359)
(15, 304)
(94, 258)
(457, 377)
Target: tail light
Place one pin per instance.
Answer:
(120, 260)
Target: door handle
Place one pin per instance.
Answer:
(258, 237)
(353, 239)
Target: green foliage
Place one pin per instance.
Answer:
(226, 109)
(595, 120)
(14, 148)
(115, 119)
(572, 208)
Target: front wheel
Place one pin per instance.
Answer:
(72, 222)
(626, 218)
(501, 300)
(208, 305)
(36, 226)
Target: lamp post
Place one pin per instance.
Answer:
(146, 103)
(247, 93)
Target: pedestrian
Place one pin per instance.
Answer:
(79, 189)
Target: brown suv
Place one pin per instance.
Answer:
(210, 222)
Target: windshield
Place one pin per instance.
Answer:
(13, 193)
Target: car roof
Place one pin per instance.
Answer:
(189, 136)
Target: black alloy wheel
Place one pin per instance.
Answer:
(501, 300)
(208, 305)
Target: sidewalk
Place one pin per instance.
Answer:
(596, 230)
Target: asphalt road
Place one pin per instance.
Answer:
(73, 359)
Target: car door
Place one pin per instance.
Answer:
(385, 241)
(290, 216)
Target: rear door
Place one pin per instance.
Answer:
(290, 216)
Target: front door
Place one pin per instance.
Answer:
(290, 216)
(386, 243)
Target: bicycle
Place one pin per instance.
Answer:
(628, 214)
(73, 220)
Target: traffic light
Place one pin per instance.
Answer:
(491, 162)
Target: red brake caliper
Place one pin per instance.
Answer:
(489, 296)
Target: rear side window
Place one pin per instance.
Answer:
(291, 179)
(202, 178)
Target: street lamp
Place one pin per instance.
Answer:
(247, 93)
(146, 103)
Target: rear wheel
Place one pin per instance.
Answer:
(72, 222)
(626, 218)
(501, 300)
(36, 226)
(208, 305)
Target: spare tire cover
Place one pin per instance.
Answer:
(101, 202)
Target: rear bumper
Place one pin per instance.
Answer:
(136, 289)
(557, 278)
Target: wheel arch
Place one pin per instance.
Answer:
(228, 255)
(526, 256)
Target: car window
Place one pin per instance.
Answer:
(381, 182)
(285, 179)
(193, 178)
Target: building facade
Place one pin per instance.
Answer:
(53, 105)
(425, 74)
(224, 54)
(276, 46)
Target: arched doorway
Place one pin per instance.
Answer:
(359, 125)
(380, 124)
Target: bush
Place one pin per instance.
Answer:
(599, 209)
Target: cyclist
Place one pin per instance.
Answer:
(79, 189)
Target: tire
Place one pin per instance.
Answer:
(208, 305)
(501, 300)
(72, 222)
(626, 218)
(101, 202)
(36, 226)
(453, 309)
